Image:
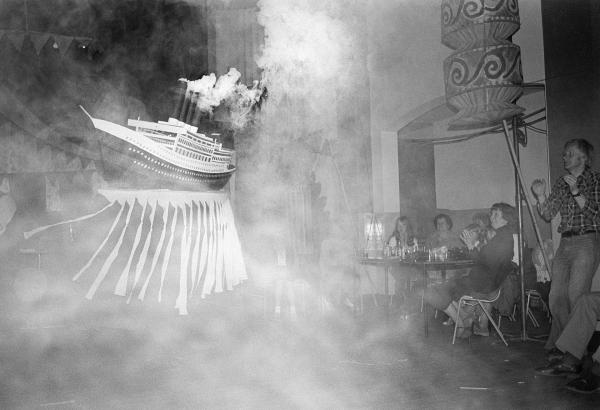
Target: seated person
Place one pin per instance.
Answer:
(481, 226)
(573, 342)
(402, 235)
(493, 262)
(443, 235)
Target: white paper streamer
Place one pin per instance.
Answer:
(111, 258)
(110, 231)
(167, 256)
(121, 288)
(157, 252)
(144, 255)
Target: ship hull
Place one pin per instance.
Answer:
(125, 165)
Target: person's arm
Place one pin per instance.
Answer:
(498, 251)
(392, 241)
(589, 202)
(549, 205)
(471, 240)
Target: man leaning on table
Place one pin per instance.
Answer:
(576, 196)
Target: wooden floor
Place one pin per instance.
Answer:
(61, 351)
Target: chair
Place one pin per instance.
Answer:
(479, 301)
(512, 317)
(533, 294)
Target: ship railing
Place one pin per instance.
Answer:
(202, 147)
(184, 142)
(170, 155)
(203, 137)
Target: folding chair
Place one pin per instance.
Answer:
(533, 294)
(479, 301)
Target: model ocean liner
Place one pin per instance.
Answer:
(166, 154)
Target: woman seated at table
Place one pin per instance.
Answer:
(402, 235)
(493, 262)
(400, 238)
(443, 235)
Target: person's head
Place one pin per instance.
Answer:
(502, 214)
(577, 154)
(442, 223)
(402, 225)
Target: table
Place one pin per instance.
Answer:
(424, 266)
(443, 266)
(387, 263)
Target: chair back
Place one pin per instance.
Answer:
(485, 297)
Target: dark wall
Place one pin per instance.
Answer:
(571, 34)
(416, 164)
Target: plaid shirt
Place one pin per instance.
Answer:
(573, 218)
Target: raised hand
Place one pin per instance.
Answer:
(538, 187)
(572, 182)
(469, 238)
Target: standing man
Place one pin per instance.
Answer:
(576, 196)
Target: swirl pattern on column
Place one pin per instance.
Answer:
(483, 76)
(463, 21)
(500, 63)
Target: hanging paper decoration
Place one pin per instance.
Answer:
(483, 76)
(182, 241)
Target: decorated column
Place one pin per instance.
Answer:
(483, 76)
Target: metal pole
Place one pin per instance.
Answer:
(519, 205)
(538, 235)
(525, 197)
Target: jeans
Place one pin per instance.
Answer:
(581, 326)
(573, 269)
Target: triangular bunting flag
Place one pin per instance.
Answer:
(69, 156)
(91, 166)
(63, 43)
(61, 159)
(87, 164)
(58, 158)
(326, 148)
(16, 38)
(75, 165)
(83, 40)
(39, 40)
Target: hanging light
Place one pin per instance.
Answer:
(483, 76)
